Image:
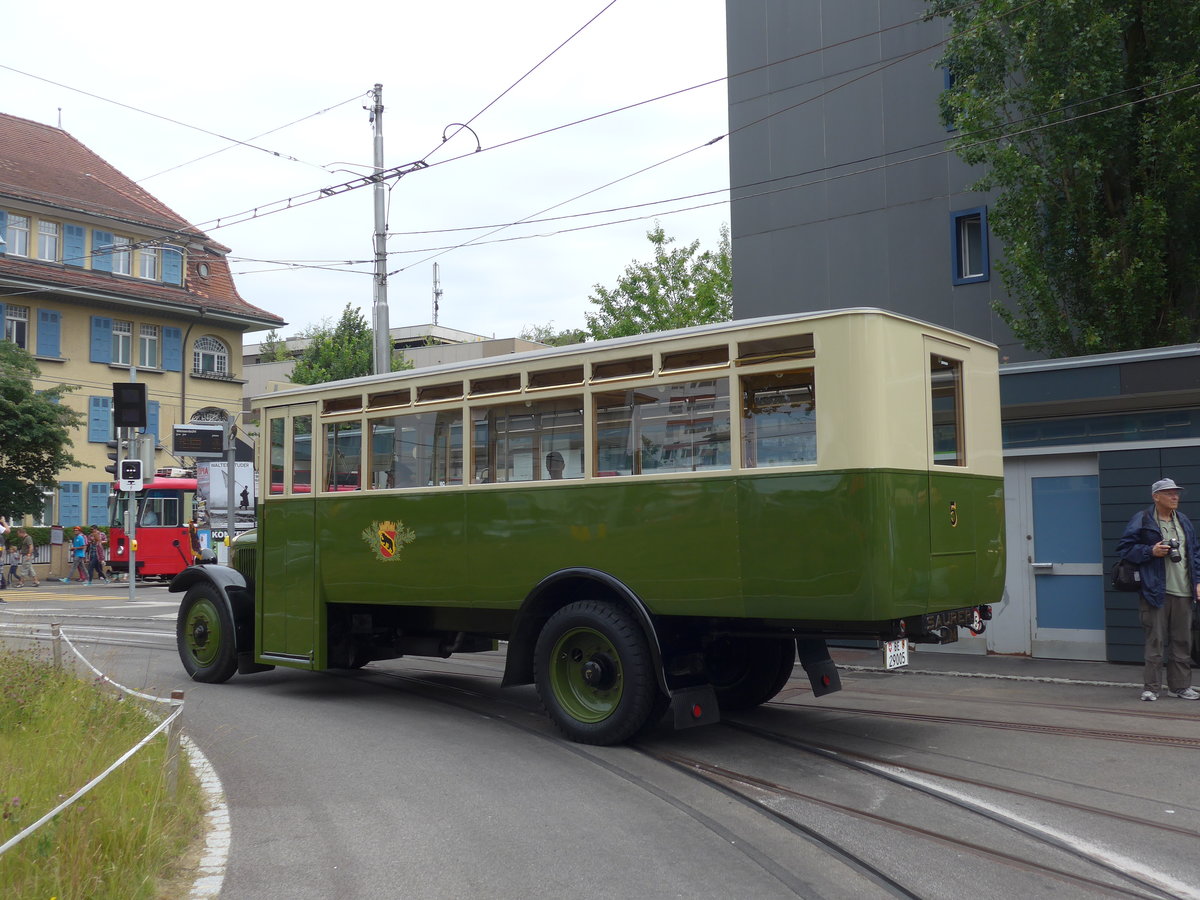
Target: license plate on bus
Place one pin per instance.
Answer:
(895, 653)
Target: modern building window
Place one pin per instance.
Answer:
(121, 255)
(48, 241)
(148, 346)
(210, 356)
(969, 246)
(122, 342)
(16, 325)
(148, 263)
(17, 235)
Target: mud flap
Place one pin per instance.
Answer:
(822, 672)
(694, 706)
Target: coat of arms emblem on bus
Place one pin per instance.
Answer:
(386, 539)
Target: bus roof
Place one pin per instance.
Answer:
(590, 347)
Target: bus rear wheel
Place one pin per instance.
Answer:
(595, 673)
(204, 635)
(747, 672)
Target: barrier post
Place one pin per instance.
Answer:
(172, 761)
(56, 643)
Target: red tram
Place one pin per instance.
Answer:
(165, 506)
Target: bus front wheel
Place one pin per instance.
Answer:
(595, 674)
(747, 672)
(204, 635)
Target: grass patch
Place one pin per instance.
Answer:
(122, 841)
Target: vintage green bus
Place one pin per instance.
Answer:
(659, 521)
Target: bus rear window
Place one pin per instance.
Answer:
(663, 428)
(779, 419)
(946, 404)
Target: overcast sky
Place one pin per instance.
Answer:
(241, 69)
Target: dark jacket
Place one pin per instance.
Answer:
(1137, 545)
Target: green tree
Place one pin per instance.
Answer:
(34, 433)
(1086, 117)
(680, 287)
(344, 350)
(273, 348)
(546, 334)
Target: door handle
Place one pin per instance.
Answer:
(1039, 565)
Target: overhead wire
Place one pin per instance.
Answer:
(155, 115)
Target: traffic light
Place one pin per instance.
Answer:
(116, 452)
(129, 404)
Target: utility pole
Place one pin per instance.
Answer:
(380, 321)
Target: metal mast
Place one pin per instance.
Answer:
(437, 291)
(380, 322)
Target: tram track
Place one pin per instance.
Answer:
(762, 796)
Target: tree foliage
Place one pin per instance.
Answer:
(34, 433)
(273, 348)
(344, 350)
(546, 334)
(680, 287)
(1086, 115)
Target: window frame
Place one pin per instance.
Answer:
(12, 315)
(122, 340)
(202, 347)
(49, 244)
(17, 236)
(959, 245)
(148, 346)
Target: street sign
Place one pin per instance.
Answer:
(201, 441)
(130, 475)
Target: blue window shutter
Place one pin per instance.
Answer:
(97, 502)
(74, 251)
(101, 339)
(151, 420)
(1, 319)
(70, 503)
(101, 251)
(3, 230)
(172, 355)
(99, 419)
(47, 334)
(172, 265)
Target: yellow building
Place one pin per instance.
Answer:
(96, 276)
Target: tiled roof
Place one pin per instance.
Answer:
(45, 165)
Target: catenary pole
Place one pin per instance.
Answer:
(380, 321)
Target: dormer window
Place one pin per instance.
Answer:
(148, 263)
(47, 240)
(121, 255)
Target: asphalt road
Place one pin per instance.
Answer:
(421, 778)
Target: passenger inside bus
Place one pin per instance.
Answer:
(555, 464)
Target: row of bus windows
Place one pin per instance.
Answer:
(683, 427)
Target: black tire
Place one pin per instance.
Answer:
(204, 635)
(747, 672)
(595, 673)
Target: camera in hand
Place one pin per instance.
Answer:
(1173, 553)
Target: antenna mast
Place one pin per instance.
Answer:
(437, 291)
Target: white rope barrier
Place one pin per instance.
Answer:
(20, 836)
(104, 678)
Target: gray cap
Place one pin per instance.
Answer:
(1164, 484)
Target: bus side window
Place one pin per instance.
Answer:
(302, 439)
(534, 441)
(680, 427)
(276, 462)
(343, 456)
(779, 426)
(416, 450)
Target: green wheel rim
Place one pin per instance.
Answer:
(577, 654)
(203, 632)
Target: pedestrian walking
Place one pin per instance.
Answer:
(25, 565)
(78, 558)
(97, 554)
(1161, 542)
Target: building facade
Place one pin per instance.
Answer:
(102, 283)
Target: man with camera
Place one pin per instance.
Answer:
(1162, 543)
